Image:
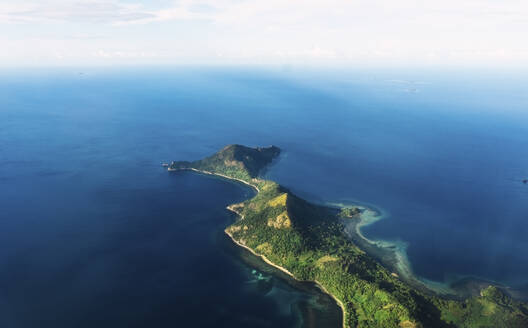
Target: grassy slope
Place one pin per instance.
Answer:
(308, 241)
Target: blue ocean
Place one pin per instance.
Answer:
(95, 233)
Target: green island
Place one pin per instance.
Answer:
(308, 242)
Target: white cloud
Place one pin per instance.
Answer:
(102, 11)
(91, 11)
(341, 31)
(124, 54)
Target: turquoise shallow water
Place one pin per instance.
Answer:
(92, 225)
(445, 162)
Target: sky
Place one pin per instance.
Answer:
(307, 32)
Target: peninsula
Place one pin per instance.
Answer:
(308, 242)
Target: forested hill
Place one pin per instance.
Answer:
(235, 161)
(308, 240)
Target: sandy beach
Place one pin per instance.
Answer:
(216, 174)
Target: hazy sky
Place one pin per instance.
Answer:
(327, 32)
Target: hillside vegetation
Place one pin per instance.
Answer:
(308, 240)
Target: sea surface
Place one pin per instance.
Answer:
(94, 232)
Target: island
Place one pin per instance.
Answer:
(308, 242)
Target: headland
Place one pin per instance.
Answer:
(310, 242)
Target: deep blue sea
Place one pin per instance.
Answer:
(94, 233)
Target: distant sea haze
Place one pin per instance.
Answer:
(94, 232)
